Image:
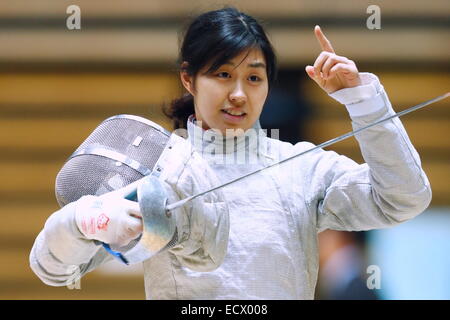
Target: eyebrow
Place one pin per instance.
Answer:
(252, 65)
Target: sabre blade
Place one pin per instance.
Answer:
(183, 201)
(322, 145)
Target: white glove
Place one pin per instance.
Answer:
(110, 218)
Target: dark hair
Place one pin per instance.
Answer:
(216, 37)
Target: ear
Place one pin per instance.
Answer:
(186, 79)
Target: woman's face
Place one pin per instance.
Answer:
(233, 96)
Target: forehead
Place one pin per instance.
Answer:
(252, 58)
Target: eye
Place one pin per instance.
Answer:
(254, 78)
(223, 74)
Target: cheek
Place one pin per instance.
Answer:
(260, 98)
(211, 96)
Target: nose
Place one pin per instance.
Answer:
(238, 95)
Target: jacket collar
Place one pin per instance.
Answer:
(212, 142)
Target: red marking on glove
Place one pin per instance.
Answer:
(88, 225)
(84, 226)
(102, 222)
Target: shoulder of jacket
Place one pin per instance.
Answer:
(286, 148)
(173, 158)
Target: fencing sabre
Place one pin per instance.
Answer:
(158, 222)
(347, 135)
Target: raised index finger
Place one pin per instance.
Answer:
(325, 44)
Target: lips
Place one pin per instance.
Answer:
(235, 117)
(234, 112)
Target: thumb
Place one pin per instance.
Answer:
(316, 77)
(132, 208)
(310, 71)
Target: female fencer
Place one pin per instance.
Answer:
(255, 238)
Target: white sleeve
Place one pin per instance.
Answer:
(364, 99)
(391, 187)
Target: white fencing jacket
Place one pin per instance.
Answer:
(265, 225)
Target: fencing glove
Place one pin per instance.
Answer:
(110, 218)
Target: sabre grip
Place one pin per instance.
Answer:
(132, 196)
(116, 254)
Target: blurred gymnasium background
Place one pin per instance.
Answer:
(57, 85)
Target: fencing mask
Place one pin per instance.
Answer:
(127, 151)
(121, 150)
